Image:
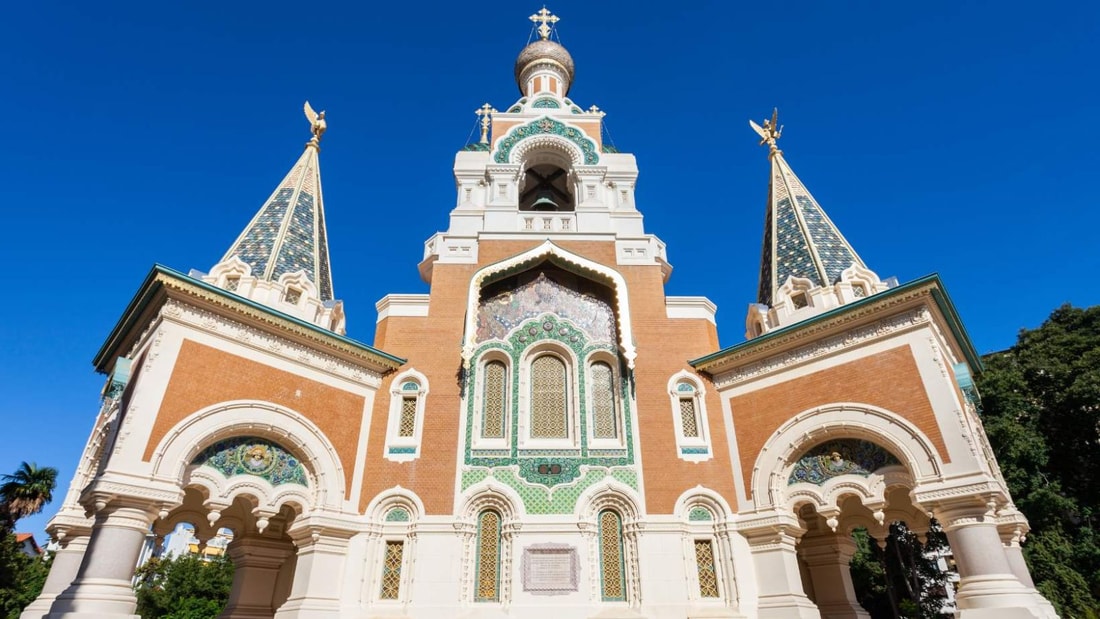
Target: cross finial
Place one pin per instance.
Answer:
(485, 112)
(544, 18)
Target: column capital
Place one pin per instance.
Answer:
(966, 512)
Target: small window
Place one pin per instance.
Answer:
(391, 571)
(689, 418)
(292, 296)
(407, 424)
(232, 283)
(612, 564)
(494, 400)
(859, 291)
(602, 388)
(407, 402)
(704, 563)
(487, 583)
(799, 300)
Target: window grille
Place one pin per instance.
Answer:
(612, 574)
(704, 562)
(391, 571)
(601, 386)
(406, 426)
(492, 420)
(487, 586)
(549, 398)
(689, 420)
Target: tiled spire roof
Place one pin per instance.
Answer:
(288, 235)
(799, 238)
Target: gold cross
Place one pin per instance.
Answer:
(543, 18)
(485, 112)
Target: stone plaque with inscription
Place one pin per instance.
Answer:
(550, 569)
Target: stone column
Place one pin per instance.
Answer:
(1011, 539)
(63, 570)
(779, 583)
(988, 588)
(318, 574)
(257, 562)
(828, 557)
(103, 585)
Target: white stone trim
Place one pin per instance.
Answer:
(397, 447)
(698, 308)
(686, 445)
(548, 249)
(841, 420)
(619, 442)
(572, 372)
(415, 305)
(478, 395)
(291, 429)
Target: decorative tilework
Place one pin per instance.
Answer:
(559, 499)
(543, 126)
(488, 557)
(398, 514)
(700, 514)
(612, 574)
(840, 457)
(792, 258)
(258, 241)
(296, 253)
(478, 147)
(402, 450)
(391, 570)
(545, 103)
(247, 455)
(694, 451)
(685, 387)
(704, 563)
(501, 314)
(835, 254)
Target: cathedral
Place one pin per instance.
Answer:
(545, 434)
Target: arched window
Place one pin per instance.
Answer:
(408, 394)
(487, 574)
(705, 568)
(689, 417)
(601, 387)
(494, 400)
(612, 563)
(549, 398)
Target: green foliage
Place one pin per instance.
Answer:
(26, 491)
(902, 580)
(21, 577)
(186, 587)
(1041, 410)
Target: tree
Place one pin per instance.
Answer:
(25, 492)
(21, 577)
(903, 580)
(1041, 411)
(185, 587)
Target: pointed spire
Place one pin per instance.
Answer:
(288, 234)
(800, 240)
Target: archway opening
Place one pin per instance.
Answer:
(546, 187)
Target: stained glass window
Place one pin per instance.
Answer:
(601, 386)
(689, 421)
(612, 574)
(704, 563)
(487, 584)
(492, 421)
(549, 398)
(406, 425)
(391, 571)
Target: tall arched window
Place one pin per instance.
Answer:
(549, 398)
(408, 395)
(487, 580)
(612, 563)
(601, 387)
(494, 400)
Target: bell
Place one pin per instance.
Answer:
(544, 202)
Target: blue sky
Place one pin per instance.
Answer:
(950, 137)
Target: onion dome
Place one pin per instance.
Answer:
(547, 55)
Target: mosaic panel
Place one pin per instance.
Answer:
(840, 457)
(549, 395)
(704, 562)
(689, 421)
(612, 576)
(499, 315)
(493, 400)
(296, 251)
(792, 252)
(488, 557)
(603, 401)
(546, 103)
(543, 126)
(398, 514)
(391, 571)
(560, 499)
(835, 254)
(699, 514)
(259, 239)
(324, 279)
(764, 293)
(247, 455)
(406, 426)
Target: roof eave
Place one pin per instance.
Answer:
(153, 286)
